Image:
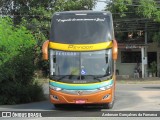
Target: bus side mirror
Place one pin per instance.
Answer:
(45, 50)
(115, 50)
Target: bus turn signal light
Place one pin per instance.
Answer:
(115, 50)
(45, 50)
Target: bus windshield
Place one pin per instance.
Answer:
(80, 64)
(82, 29)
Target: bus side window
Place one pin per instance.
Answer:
(54, 58)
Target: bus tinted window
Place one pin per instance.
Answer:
(82, 29)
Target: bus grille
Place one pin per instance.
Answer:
(80, 92)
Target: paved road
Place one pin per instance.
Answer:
(129, 97)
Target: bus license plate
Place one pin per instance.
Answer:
(80, 101)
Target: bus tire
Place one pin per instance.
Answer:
(109, 105)
(58, 105)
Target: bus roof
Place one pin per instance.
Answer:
(87, 12)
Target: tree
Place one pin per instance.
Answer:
(17, 64)
(149, 9)
(38, 13)
(132, 11)
(66, 5)
(36, 16)
(146, 8)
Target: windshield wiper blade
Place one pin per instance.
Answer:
(58, 78)
(107, 77)
(64, 76)
(95, 78)
(98, 79)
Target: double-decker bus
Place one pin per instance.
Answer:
(82, 52)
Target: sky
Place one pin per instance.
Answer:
(100, 6)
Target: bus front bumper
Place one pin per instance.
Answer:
(100, 97)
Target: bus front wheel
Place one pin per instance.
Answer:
(108, 105)
(58, 105)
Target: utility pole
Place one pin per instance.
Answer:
(146, 58)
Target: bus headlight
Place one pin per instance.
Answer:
(55, 88)
(106, 87)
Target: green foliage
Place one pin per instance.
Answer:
(119, 6)
(148, 8)
(66, 5)
(153, 68)
(39, 34)
(14, 93)
(135, 10)
(36, 15)
(156, 37)
(143, 8)
(16, 64)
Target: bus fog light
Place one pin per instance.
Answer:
(55, 97)
(106, 96)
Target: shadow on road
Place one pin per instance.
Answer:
(152, 87)
(91, 107)
(127, 98)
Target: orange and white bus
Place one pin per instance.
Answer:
(82, 52)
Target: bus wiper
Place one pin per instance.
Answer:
(107, 77)
(64, 76)
(98, 79)
(95, 78)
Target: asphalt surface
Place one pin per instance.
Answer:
(129, 97)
